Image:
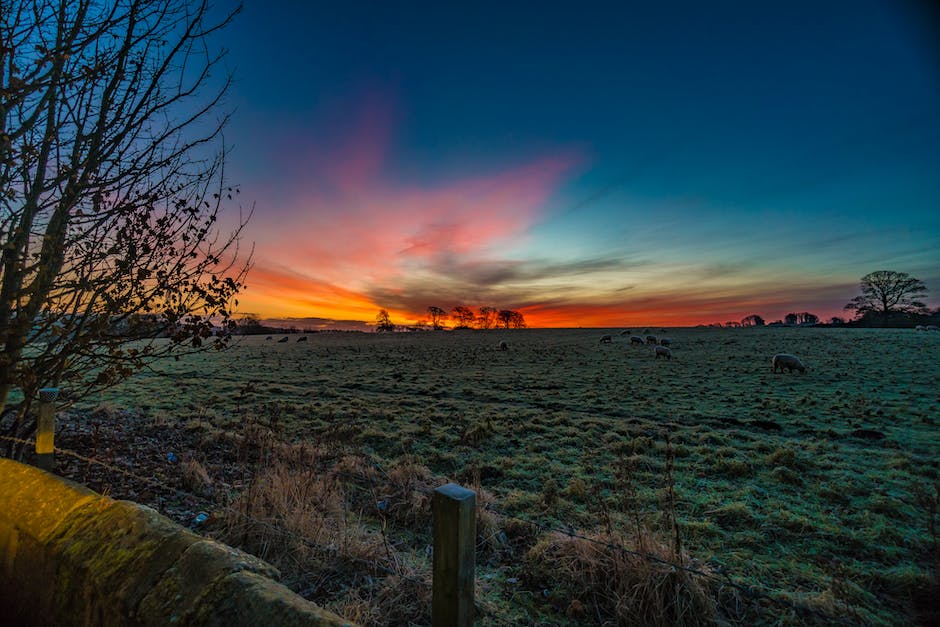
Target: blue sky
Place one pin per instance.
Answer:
(599, 164)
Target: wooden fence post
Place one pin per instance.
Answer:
(45, 429)
(455, 522)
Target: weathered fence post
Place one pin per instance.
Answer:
(45, 429)
(455, 523)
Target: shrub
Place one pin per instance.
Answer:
(606, 581)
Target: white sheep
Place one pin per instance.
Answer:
(788, 361)
(664, 341)
(503, 346)
(606, 339)
(636, 339)
(651, 339)
(920, 327)
(662, 351)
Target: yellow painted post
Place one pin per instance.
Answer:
(454, 509)
(45, 429)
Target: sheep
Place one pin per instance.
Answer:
(920, 327)
(625, 332)
(664, 341)
(651, 339)
(636, 339)
(282, 340)
(268, 339)
(788, 361)
(662, 351)
(606, 339)
(503, 346)
(302, 338)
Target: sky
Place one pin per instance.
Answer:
(587, 164)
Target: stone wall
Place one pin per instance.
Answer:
(69, 556)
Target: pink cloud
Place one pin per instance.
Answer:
(349, 225)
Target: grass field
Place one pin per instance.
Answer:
(781, 480)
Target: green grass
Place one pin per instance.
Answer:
(547, 422)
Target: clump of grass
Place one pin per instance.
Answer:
(393, 600)
(608, 581)
(786, 475)
(406, 492)
(732, 467)
(735, 513)
(478, 432)
(550, 492)
(577, 488)
(786, 457)
(195, 478)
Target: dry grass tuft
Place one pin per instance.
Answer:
(406, 493)
(606, 581)
(393, 601)
(196, 478)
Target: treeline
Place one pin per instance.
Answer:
(801, 319)
(887, 299)
(463, 317)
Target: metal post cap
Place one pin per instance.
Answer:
(48, 395)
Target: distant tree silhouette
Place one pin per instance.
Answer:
(808, 318)
(836, 320)
(463, 316)
(486, 317)
(510, 319)
(250, 325)
(752, 321)
(732, 324)
(383, 322)
(436, 317)
(801, 318)
(886, 292)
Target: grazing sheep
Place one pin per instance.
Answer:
(932, 327)
(625, 332)
(503, 346)
(636, 339)
(664, 341)
(282, 340)
(662, 351)
(920, 327)
(302, 338)
(788, 361)
(606, 339)
(268, 338)
(651, 339)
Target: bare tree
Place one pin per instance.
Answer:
(486, 317)
(436, 317)
(886, 292)
(510, 319)
(463, 316)
(808, 318)
(752, 321)
(111, 186)
(383, 322)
